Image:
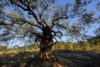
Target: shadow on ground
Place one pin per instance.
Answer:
(64, 60)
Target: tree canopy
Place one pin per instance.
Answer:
(29, 17)
(46, 21)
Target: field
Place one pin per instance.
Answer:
(59, 47)
(49, 33)
(64, 60)
(68, 55)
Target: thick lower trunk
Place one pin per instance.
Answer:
(46, 53)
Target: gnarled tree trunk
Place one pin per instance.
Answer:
(46, 52)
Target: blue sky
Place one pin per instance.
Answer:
(90, 7)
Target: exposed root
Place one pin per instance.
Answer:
(46, 57)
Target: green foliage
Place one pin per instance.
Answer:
(2, 48)
(59, 47)
(30, 17)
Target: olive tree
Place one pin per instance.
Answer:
(44, 21)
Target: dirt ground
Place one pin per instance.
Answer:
(64, 60)
(81, 59)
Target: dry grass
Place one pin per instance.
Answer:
(56, 49)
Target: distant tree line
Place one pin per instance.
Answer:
(2, 48)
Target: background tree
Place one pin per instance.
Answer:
(3, 48)
(43, 22)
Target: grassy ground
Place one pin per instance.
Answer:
(68, 56)
(58, 49)
(64, 60)
(77, 49)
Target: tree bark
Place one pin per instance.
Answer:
(46, 52)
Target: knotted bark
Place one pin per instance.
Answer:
(46, 52)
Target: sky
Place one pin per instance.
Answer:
(90, 7)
